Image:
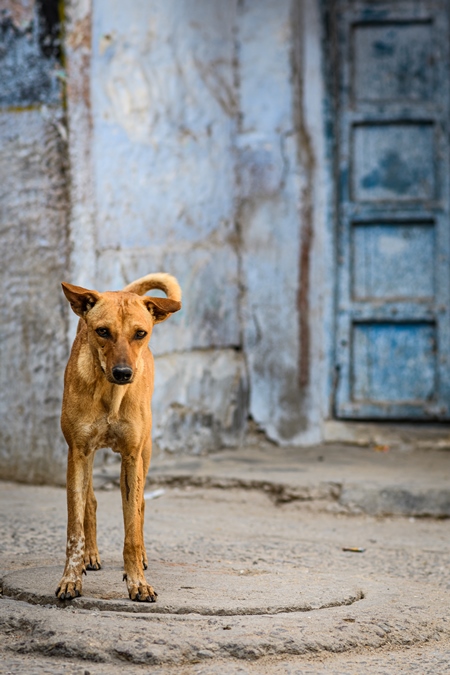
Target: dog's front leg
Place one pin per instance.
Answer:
(146, 456)
(132, 487)
(77, 485)
(91, 554)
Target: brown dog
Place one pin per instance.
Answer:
(108, 385)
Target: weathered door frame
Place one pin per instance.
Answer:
(422, 313)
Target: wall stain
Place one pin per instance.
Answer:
(218, 86)
(306, 161)
(79, 84)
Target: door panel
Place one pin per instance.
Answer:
(393, 261)
(393, 61)
(393, 162)
(393, 298)
(393, 362)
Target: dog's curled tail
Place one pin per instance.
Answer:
(161, 280)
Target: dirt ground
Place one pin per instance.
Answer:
(245, 586)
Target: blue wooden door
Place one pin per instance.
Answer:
(391, 74)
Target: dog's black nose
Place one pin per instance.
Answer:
(122, 374)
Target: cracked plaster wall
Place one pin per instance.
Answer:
(271, 176)
(193, 149)
(33, 240)
(201, 168)
(164, 116)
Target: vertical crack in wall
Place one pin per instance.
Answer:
(330, 48)
(238, 204)
(306, 162)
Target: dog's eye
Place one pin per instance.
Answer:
(103, 332)
(140, 334)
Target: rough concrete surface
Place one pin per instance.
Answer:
(247, 583)
(374, 480)
(33, 316)
(207, 391)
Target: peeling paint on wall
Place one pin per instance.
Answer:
(133, 104)
(163, 105)
(33, 235)
(29, 54)
(20, 13)
(197, 171)
(275, 250)
(188, 155)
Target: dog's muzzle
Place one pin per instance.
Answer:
(122, 374)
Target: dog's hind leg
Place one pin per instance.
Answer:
(146, 456)
(91, 554)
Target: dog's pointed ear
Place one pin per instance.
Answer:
(81, 299)
(161, 308)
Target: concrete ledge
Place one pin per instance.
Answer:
(214, 590)
(352, 479)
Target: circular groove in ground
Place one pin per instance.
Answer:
(184, 588)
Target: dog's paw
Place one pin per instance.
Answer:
(142, 593)
(139, 590)
(92, 560)
(68, 589)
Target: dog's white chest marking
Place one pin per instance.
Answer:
(116, 399)
(104, 430)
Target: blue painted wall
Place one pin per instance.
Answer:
(195, 156)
